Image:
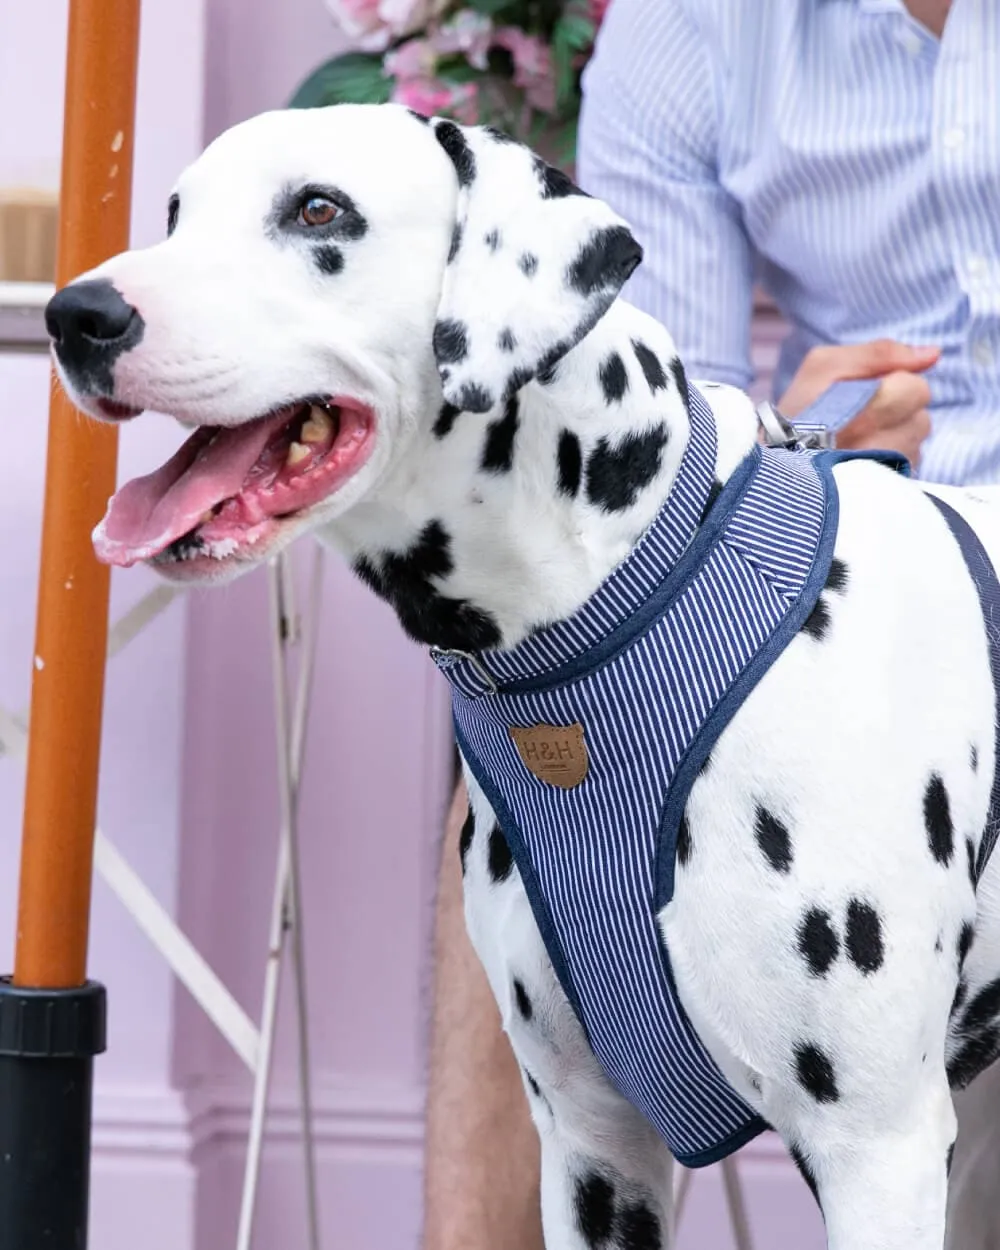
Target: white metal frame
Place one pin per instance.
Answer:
(294, 635)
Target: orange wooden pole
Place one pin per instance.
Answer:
(71, 627)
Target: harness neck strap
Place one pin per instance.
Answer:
(628, 586)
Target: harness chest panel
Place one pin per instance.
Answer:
(652, 667)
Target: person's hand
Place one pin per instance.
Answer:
(896, 417)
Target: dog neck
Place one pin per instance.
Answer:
(493, 526)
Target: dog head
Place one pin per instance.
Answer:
(329, 279)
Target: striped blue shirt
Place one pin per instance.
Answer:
(834, 151)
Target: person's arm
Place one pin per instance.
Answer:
(648, 145)
(481, 1175)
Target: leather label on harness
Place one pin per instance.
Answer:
(556, 754)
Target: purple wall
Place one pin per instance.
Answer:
(188, 790)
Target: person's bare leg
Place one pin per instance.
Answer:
(481, 1178)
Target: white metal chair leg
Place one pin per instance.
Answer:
(734, 1201)
(286, 913)
(736, 1204)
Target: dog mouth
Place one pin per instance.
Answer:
(229, 489)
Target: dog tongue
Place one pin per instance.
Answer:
(149, 513)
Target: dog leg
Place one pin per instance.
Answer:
(884, 1187)
(606, 1173)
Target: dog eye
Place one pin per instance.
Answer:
(319, 210)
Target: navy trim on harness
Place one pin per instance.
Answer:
(984, 579)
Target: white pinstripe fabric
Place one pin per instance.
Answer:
(836, 151)
(595, 861)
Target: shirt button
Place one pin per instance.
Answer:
(982, 353)
(953, 138)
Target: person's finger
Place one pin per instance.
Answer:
(868, 360)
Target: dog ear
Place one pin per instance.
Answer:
(534, 264)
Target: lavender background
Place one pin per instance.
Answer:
(188, 790)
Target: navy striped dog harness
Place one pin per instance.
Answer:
(587, 737)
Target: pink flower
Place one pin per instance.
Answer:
(597, 10)
(414, 59)
(467, 32)
(373, 24)
(532, 66)
(430, 97)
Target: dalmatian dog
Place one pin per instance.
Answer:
(407, 336)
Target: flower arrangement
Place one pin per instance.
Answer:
(514, 64)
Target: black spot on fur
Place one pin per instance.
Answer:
(975, 1054)
(806, 1172)
(837, 577)
(637, 1228)
(863, 936)
(616, 475)
(684, 846)
(817, 622)
(974, 758)
(546, 369)
(680, 380)
(949, 1159)
(970, 855)
(527, 262)
(650, 365)
(451, 341)
(594, 1207)
(506, 340)
(524, 1006)
(459, 153)
(532, 1083)
(613, 377)
(425, 121)
(492, 239)
(714, 491)
(818, 941)
(983, 1009)
(517, 379)
(815, 1072)
(499, 136)
(961, 992)
(407, 580)
(329, 259)
(445, 420)
(465, 838)
(553, 183)
(965, 936)
(570, 460)
(773, 840)
(501, 862)
(456, 241)
(937, 819)
(474, 398)
(173, 212)
(939, 943)
(604, 261)
(498, 450)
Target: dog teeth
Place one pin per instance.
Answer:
(296, 454)
(206, 517)
(319, 426)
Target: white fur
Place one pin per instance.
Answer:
(838, 740)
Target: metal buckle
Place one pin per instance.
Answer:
(473, 659)
(780, 432)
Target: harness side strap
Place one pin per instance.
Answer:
(988, 589)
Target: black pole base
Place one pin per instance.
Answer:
(48, 1040)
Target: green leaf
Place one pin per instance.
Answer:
(573, 35)
(490, 8)
(355, 78)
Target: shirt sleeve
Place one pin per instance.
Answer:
(648, 145)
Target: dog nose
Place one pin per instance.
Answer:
(89, 322)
